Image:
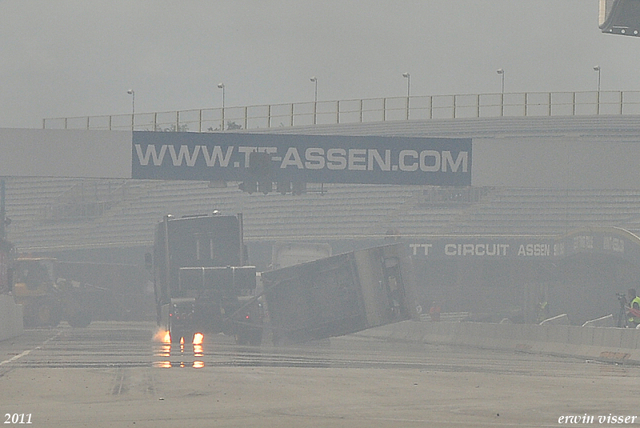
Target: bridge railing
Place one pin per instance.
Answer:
(368, 110)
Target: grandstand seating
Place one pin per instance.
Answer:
(132, 208)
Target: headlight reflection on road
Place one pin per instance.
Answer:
(198, 352)
(165, 348)
(164, 351)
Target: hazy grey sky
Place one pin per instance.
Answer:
(75, 58)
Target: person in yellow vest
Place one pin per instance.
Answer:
(633, 311)
(542, 311)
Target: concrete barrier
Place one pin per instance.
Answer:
(596, 343)
(10, 317)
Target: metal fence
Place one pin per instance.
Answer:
(365, 111)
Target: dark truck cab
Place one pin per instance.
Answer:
(201, 281)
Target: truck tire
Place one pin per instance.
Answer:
(281, 339)
(249, 336)
(241, 339)
(242, 336)
(48, 313)
(29, 319)
(255, 339)
(80, 319)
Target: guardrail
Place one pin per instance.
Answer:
(607, 344)
(525, 104)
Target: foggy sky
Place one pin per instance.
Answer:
(68, 58)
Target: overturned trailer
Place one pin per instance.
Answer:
(339, 295)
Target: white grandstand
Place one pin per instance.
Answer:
(59, 214)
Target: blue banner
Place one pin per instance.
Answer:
(301, 158)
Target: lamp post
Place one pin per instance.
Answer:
(133, 106)
(221, 86)
(500, 71)
(597, 70)
(408, 77)
(314, 79)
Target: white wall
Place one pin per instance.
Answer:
(65, 153)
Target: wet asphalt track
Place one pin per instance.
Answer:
(116, 374)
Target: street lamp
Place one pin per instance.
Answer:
(314, 79)
(408, 77)
(133, 105)
(597, 70)
(221, 86)
(500, 71)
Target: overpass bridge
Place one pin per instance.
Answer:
(366, 111)
(558, 140)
